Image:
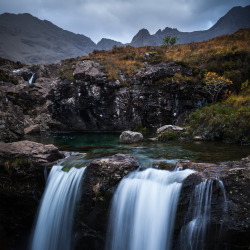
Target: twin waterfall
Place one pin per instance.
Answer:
(53, 230)
(142, 215)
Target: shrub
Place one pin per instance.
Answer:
(214, 84)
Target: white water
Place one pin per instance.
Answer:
(31, 80)
(53, 230)
(143, 210)
(193, 235)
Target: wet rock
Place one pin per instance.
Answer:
(198, 138)
(33, 129)
(22, 181)
(100, 181)
(11, 119)
(169, 128)
(233, 222)
(130, 137)
(35, 153)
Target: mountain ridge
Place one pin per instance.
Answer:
(28, 39)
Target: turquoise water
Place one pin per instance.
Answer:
(95, 145)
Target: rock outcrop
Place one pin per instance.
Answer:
(81, 97)
(231, 218)
(22, 181)
(169, 128)
(130, 137)
(101, 178)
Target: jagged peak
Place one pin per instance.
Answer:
(143, 32)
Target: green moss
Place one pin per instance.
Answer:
(66, 73)
(11, 166)
(168, 136)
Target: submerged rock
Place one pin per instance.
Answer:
(130, 137)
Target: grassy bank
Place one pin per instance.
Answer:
(228, 120)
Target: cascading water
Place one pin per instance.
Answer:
(31, 80)
(53, 230)
(143, 210)
(193, 234)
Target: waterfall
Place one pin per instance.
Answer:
(193, 234)
(143, 210)
(31, 80)
(53, 229)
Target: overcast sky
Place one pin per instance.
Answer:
(122, 19)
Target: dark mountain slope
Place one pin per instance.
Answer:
(30, 40)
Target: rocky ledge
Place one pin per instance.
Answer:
(100, 180)
(22, 181)
(229, 227)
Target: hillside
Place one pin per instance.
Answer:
(130, 88)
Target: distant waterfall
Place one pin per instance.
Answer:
(31, 80)
(53, 230)
(143, 210)
(193, 235)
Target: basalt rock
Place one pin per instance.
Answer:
(11, 119)
(169, 128)
(81, 97)
(230, 225)
(22, 181)
(130, 137)
(95, 103)
(100, 181)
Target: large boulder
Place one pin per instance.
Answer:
(130, 137)
(88, 70)
(36, 153)
(22, 168)
(169, 128)
(100, 181)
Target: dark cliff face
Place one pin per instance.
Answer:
(91, 102)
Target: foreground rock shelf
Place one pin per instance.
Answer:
(22, 166)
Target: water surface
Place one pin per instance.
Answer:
(95, 145)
